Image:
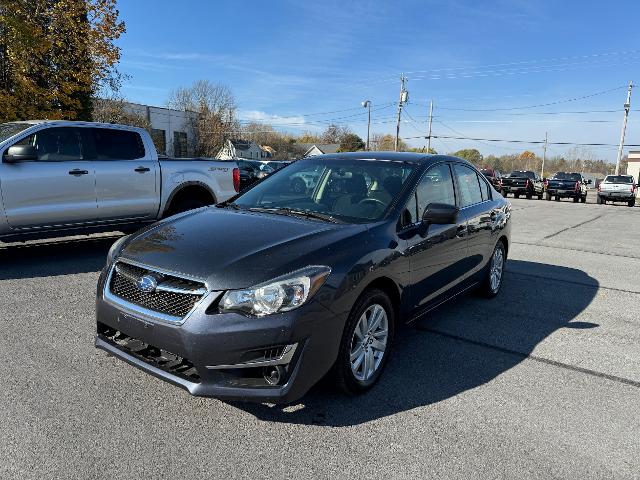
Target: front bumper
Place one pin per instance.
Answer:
(219, 351)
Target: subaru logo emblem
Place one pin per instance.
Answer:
(147, 284)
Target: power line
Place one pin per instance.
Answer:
(533, 142)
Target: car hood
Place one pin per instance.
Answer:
(236, 248)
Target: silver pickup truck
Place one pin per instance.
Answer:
(60, 177)
(618, 188)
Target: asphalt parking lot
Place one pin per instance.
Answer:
(541, 382)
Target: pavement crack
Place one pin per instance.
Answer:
(535, 358)
(573, 226)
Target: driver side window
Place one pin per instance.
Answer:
(436, 186)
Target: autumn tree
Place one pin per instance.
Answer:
(470, 154)
(351, 143)
(387, 143)
(214, 115)
(334, 133)
(55, 55)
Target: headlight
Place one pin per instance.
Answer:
(115, 249)
(278, 295)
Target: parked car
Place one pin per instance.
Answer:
(567, 185)
(618, 188)
(60, 176)
(252, 170)
(523, 182)
(321, 283)
(494, 177)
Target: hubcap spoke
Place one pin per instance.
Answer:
(357, 352)
(378, 345)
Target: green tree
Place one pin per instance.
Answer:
(470, 154)
(351, 143)
(55, 55)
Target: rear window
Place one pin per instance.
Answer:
(619, 179)
(521, 174)
(113, 144)
(567, 176)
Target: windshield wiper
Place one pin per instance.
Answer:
(300, 213)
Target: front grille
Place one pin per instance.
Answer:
(173, 295)
(157, 357)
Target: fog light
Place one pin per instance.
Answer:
(273, 375)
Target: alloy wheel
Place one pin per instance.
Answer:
(497, 265)
(369, 342)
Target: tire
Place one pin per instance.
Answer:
(184, 205)
(354, 380)
(557, 198)
(489, 288)
(548, 196)
(576, 199)
(632, 202)
(516, 195)
(583, 199)
(540, 196)
(529, 195)
(599, 200)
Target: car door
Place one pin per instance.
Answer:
(127, 179)
(475, 200)
(435, 252)
(56, 189)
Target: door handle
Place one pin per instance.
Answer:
(142, 169)
(76, 172)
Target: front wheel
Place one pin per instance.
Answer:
(490, 286)
(366, 343)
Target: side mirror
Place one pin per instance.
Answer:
(20, 153)
(440, 214)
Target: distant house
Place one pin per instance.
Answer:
(313, 149)
(235, 149)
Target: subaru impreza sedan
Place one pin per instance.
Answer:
(259, 297)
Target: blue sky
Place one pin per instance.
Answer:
(288, 62)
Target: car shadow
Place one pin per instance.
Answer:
(460, 346)
(54, 258)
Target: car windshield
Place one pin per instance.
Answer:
(566, 176)
(345, 190)
(8, 130)
(618, 179)
(521, 174)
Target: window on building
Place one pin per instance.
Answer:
(179, 144)
(159, 138)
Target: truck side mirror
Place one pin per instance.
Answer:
(20, 153)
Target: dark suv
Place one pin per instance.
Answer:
(259, 297)
(494, 177)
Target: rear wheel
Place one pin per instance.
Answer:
(632, 202)
(548, 196)
(366, 343)
(184, 205)
(490, 286)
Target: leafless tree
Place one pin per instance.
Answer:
(214, 120)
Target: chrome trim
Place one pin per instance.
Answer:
(161, 270)
(137, 310)
(283, 359)
(161, 287)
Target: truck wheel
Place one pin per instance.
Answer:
(583, 199)
(576, 199)
(366, 343)
(632, 202)
(516, 195)
(529, 195)
(557, 198)
(184, 205)
(548, 196)
(540, 196)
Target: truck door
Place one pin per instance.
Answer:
(57, 189)
(127, 178)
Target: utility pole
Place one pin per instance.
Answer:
(404, 96)
(544, 154)
(430, 122)
(627, 106)
(367, 104)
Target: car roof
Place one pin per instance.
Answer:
(419, 158)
